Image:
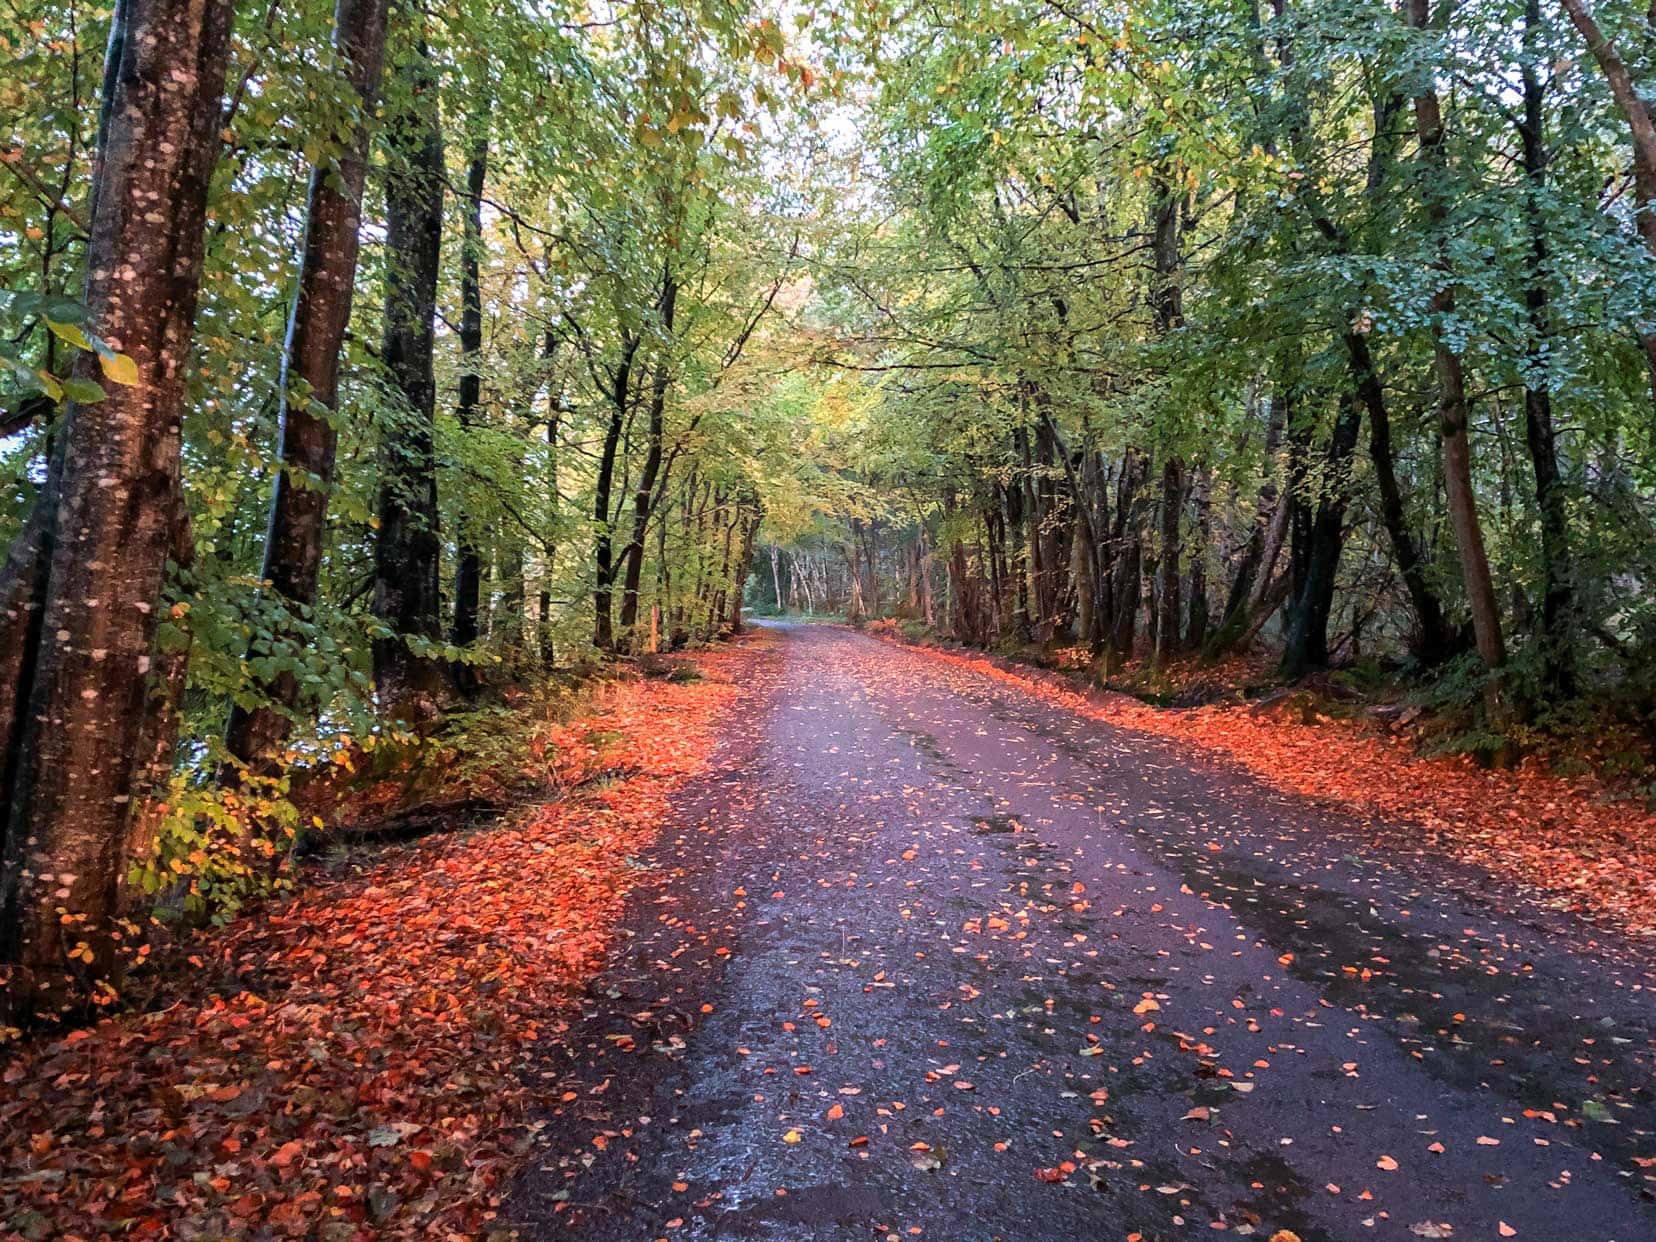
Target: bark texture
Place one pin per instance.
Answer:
(1453, 410)
(407, 552)
(468, 570)
(309, 382)
(643, 495)
(112, 512)
(603, 553)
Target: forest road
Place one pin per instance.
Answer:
(925, 956)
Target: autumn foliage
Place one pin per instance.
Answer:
(345, 1066)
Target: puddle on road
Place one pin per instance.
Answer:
(987, 824)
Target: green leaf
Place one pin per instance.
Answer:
(56, 307)
(85, 391)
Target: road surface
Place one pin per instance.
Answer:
(924, 956)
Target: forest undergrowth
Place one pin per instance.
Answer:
(343, 1062)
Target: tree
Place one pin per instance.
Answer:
(1641, 126)
(1453, 409)
(308, 386)
(406, 551)
(112, 509)
(468, 570)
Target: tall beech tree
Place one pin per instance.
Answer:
(308, 385)
(1454, 410)
(468, 569)
(1634, 103)
(644, 496)
(111, 510)
(407, 554)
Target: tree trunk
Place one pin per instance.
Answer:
(744, 563)
(856, 609)
(112, 513)
(645, 491)
(407, 553)
(1557, 594)
(1126, 588)
(549, 563)
(1031, 574)
(1453, 412)
(468, 570)
(1317, 557)
(162, 722)
(1201, 487)
(308, 387)
(1248, 569)
(1169, 609)
(1015, 551)
(1433, 641)
(603, 628)
(22, 594)
(721, 583)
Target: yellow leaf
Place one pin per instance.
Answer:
(119, 369)
(69, 332)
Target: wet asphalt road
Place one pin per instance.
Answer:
(927, 957)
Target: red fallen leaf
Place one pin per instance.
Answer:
(287, 1153)
(1050, 1175)
(835, 1112)
(860, 1141)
